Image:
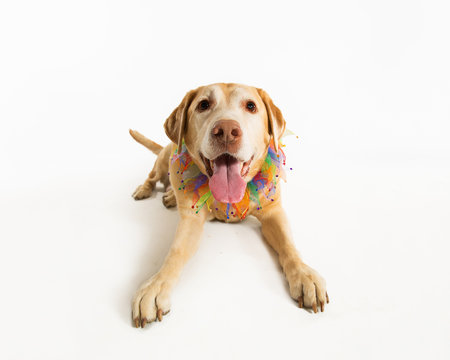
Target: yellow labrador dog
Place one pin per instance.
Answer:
(226, 129)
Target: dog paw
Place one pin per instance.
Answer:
(308, 288)
(151, 302)
(142, 192)
(169, 200)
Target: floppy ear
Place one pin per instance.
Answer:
(277, 124)
(176, 124)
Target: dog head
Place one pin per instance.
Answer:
(226, 129)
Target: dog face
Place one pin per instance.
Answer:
(226, 129)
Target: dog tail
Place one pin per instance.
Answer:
(141, 139)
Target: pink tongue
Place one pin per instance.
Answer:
(226, 184)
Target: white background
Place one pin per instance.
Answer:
(365, 86)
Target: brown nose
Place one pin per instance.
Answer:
(226, 131)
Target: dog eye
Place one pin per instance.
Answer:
(203, 105)
(250, 106)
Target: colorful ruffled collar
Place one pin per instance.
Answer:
(262, 185)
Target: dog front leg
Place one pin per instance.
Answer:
(305, 284)
(152, 300)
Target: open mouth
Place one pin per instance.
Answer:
(227, 159)
(226, 174)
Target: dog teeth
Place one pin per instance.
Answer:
(246, 167)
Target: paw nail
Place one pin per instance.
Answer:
(314, 306)
(328, 300)
(300, 301)
(159, 315)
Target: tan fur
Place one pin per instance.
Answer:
(158, 173)
(276, 123)
(175, 125)
(141, 139)
(152, 300)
